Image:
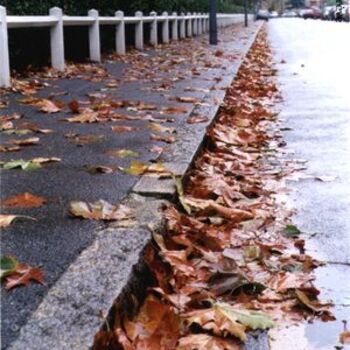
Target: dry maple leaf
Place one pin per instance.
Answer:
(174, 110)
(206, 342)
(24, 200)
(164, 138)
(99, 210)
(25, 142)
(22, 275)
(124, 128)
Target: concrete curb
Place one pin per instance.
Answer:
(69, 316)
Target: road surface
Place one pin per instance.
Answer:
(314, 75)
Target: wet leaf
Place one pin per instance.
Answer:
(10, 149)
(160, 128)
(187, 99)
(124, 128)
(206, 342)
(32, 164)
(25, 142)
(44, 105)
(197, 118)
(135, 168)
(74, 106)
(6, 220)
(8, 264)
(86, 116)
(173, 110)
(99, 169)
(99, 210)
(291, 231)
(18, 132)
(21, 275)
(24, 200)
(164, 138)
(122, 153)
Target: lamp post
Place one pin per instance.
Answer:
(213, 30)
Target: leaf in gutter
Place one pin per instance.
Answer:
(291, 231)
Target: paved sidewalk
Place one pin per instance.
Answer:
(157, 78)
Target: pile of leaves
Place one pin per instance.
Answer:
(229, 261)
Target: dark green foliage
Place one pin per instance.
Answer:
(108, 7)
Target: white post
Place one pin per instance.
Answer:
(174, 27)
(194, 24)
(139, 31)
(199, 24)
(154, 29)
(120, 34)
(165, 28)
(5, 79)
(182, 26)
(94, 37)
(189, 25)
(56, 40)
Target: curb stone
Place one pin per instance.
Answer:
(111, 268)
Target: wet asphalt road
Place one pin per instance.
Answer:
(314, 75)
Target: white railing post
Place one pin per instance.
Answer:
(165, 28)
(5, 79)
(139, 31)
(120, 34)
(94, 37)
(182, 26)
(194, 24)
(189, 25)
(56, 40)
(199, 24)
(174, 27)
(154, 29)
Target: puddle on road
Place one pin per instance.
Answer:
(334, 284)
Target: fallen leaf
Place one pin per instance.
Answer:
(99, 169)
(8, 264)
(173, 110)
(10, 149)
(6, 220)
(187, 99)
(160, 128)
(206, 342)
(25, 142)
(291, 231)
(74, 106)
(99, 210)
(325, 178)
(122, 153)
(124, 128)
(24, 200)
(196, 118)
(164, 138)
(86, 116)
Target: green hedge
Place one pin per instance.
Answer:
(108, 7)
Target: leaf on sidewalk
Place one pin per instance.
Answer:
(160, 128)
(25, 142)
(15, 274)
(164, 138)
(187, 99)
(32, 164)
(86, 116)
(206, 342)
(124, 128)
(197, 118)
(100, 169)
(99, 210)
(24, 200)
(6, 220)
(44, 105)
(174, 110)
(122, 153)
(6, 149)
(291, 231)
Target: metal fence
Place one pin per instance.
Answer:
(174, 25)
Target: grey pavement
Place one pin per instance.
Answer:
(314, 75)
(71, 251)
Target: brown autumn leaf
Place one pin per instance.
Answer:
(10, 149)
(164, 138)
(25, 142)
(99, 210)
(44, 105)
(160, 128)
(22, 275)
(206, 342)
(82, 140)
(313, 305)
(187, 99)
(86, 116)
(24, 200)
(174, 110)
(74, 106)
(124, 128)
(6, 220)
(197, 118)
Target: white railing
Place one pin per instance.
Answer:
(181, 26)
